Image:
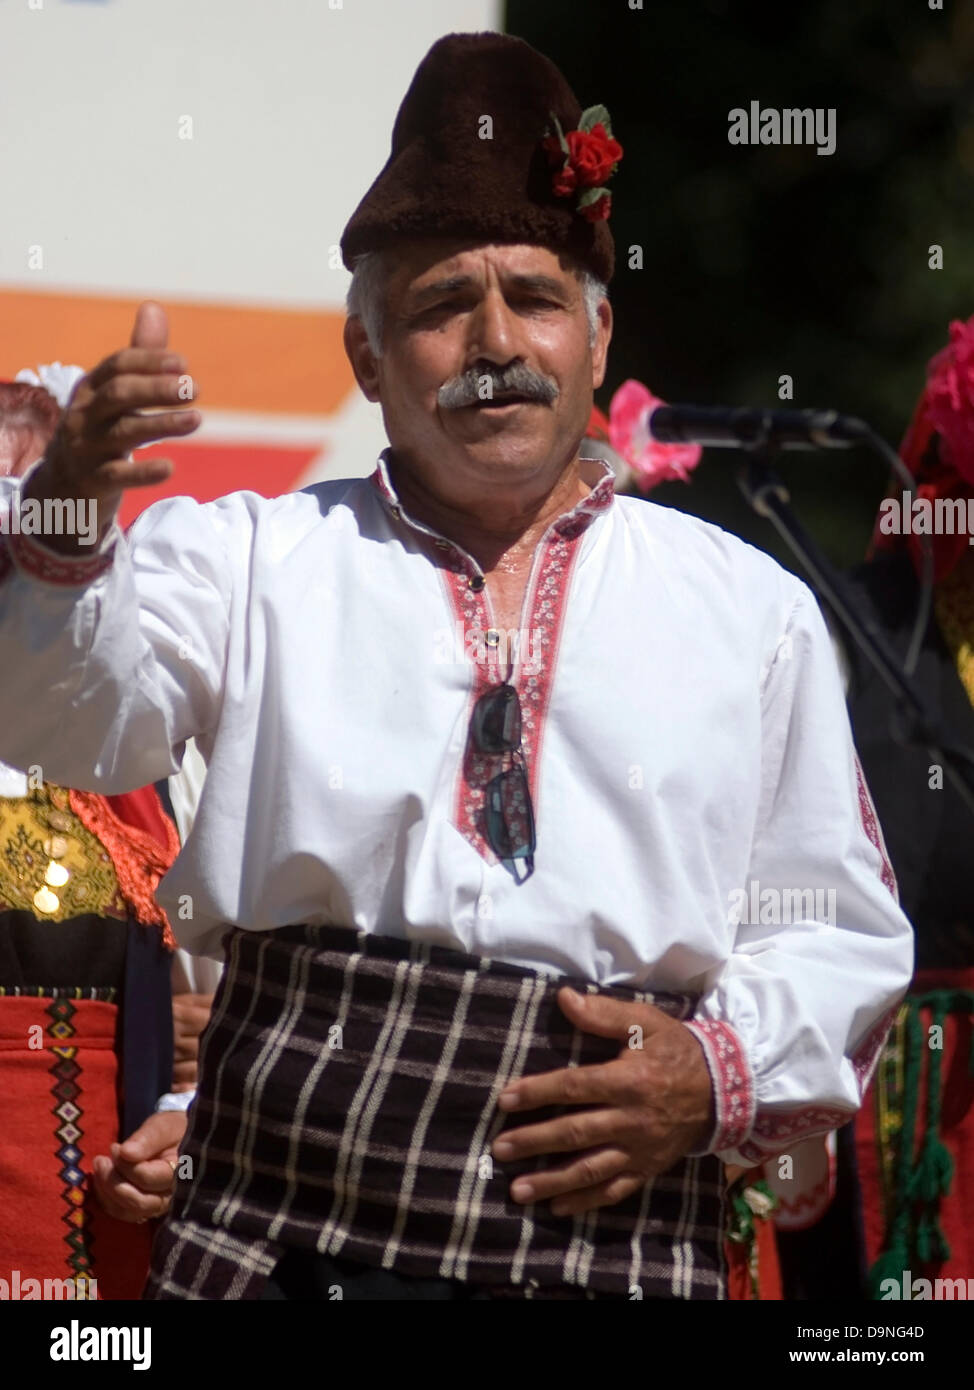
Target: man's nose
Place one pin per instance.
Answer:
(493, 331)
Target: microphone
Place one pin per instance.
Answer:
(746, 427)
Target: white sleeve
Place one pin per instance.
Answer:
(186, 788)
(794, 1021)
(112, 661)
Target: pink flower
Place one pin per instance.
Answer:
(950, 397)
(629, 435)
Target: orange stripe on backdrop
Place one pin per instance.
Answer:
(278, 361)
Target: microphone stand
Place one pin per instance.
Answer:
(769, 498)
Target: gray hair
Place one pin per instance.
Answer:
(366, 296)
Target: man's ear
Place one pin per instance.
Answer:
(362, 358)
(600, 348)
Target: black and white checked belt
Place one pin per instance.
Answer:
(348, 1103)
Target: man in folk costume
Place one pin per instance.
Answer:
(492, 1013)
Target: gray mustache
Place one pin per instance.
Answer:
(516, 379)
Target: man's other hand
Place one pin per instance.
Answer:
(642, 1112)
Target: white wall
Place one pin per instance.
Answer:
(291, 104)
(208, 152)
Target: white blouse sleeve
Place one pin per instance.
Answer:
(794, 1021)
(113, 660)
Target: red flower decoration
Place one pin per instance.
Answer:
(583, 159)
(950, 397)
(565, 181)
(593, 154)
(595, 212)
(652, 462)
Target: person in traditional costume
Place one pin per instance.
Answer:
(87, 959)
(910, 1152)
(492, 755)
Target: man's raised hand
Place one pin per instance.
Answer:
(134, 397)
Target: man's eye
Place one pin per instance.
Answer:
(438, 311)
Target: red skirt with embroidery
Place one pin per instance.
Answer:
(58, 1081)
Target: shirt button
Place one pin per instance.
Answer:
(492, 637)
(476, 582)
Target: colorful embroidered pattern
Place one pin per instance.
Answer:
(27, 825)
(734, 1097)
(66, 1092)
(137, 857)
(40, 562)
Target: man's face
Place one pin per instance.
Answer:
(456, 316)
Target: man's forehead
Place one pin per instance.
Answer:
(423, 263)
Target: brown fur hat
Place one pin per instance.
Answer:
(442, 179)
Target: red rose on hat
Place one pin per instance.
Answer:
(593, 154)
(565, 181)
(595, 212)
(583, 159)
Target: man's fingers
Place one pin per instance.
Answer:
(120, 1198)
(137, 362)
(187, 1047)
(609, 1018)
(151, 325)
(136, 431)
(184, 1076)
(588, 1170)
(123, 473)
(584, 1129)
(605, 1194)
(154, 1175)
(600, 1084)
(159, 1135)
(121, 395)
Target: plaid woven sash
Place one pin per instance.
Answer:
(347, 1105)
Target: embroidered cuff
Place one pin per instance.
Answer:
(175, 1100)
(18, 546)
(730, 1072)
(40, 562)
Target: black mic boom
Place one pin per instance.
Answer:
(748, 428)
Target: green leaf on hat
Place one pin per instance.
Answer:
(560, 133)
(591, 195)
(595, 115)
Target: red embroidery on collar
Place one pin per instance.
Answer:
(535, 653)
(536, 660)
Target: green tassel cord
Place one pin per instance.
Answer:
(749, 1202)
(914, 1187)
